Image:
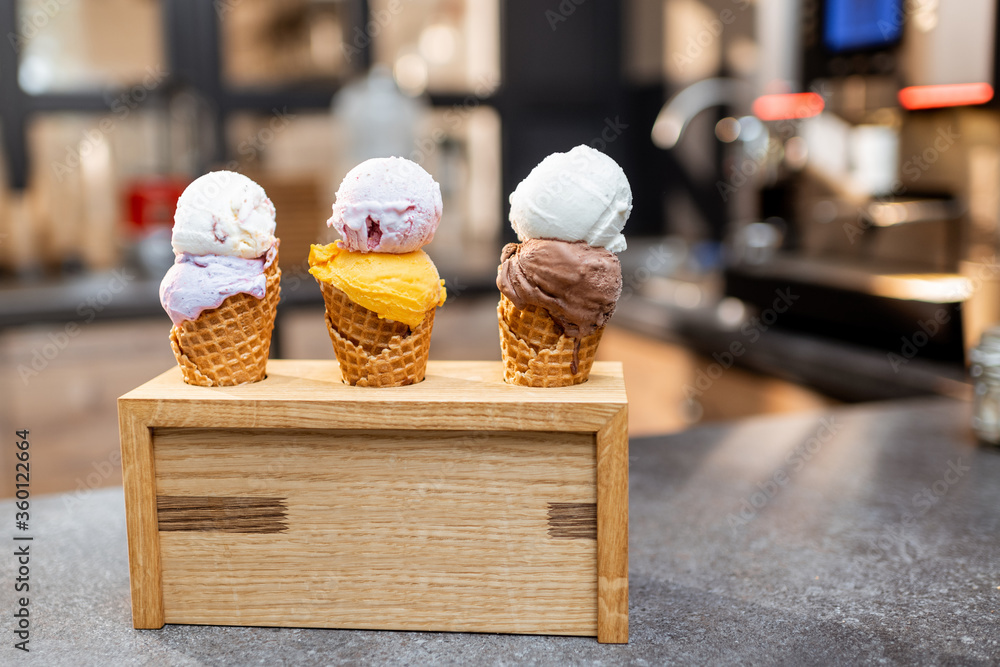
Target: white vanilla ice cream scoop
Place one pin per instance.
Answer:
(582, 195)
(224, 213)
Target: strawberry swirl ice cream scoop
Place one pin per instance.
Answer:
(388, 205)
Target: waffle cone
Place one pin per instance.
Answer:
(375, 352)
(229, 345)
(536, 351)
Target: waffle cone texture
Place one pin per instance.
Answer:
(229, 345)
(536, 351)
(372, 351)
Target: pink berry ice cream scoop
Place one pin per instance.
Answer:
(196, 283)
(388, 205)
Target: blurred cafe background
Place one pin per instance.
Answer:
(815, 184)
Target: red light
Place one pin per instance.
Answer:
(945, 95)
(787, 106)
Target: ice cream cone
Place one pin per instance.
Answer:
(229, 345)
(381, 289)
(560, 284)
(373, 351)
(536, 351)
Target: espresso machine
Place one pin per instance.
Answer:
(878, 198)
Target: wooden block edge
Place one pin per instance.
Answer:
(139, 481)
(612, 530)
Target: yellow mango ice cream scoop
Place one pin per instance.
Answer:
(400, 287)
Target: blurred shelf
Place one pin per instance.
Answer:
(710, 310)
(115, 294)
(837, 369)
(888, 280)
(865, 303)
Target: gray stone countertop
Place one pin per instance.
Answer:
(866, 534)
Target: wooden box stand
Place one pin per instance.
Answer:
(457, 504)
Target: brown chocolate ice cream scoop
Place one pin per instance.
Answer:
(576, 283)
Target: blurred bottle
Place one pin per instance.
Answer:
(377, 119)
(985, 371)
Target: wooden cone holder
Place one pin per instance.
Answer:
(456, 504)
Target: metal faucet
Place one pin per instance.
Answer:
(681, 109)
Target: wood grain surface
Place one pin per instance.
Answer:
(138, 474)
(228, 514)
(460, 503)
(573, 521)
(459, 395)
(404, 530)
(612, 530)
